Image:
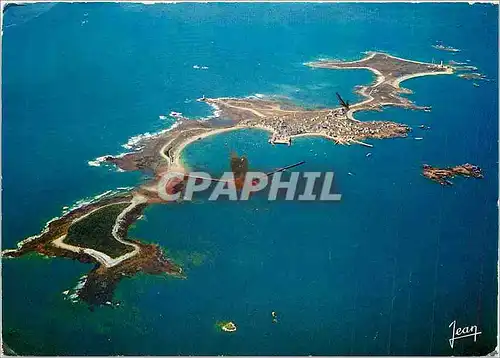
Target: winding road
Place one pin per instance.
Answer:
(98, 255)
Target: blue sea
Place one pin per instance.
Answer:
(382, 272)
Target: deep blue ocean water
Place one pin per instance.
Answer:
(385, 271)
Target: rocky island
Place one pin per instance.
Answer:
(441, 175)
(440, 46)
(227, 326)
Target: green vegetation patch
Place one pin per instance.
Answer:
(95, 232)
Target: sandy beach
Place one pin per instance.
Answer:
(448, 71)
(178, 163)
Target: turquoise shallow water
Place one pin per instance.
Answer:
(384, 271)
